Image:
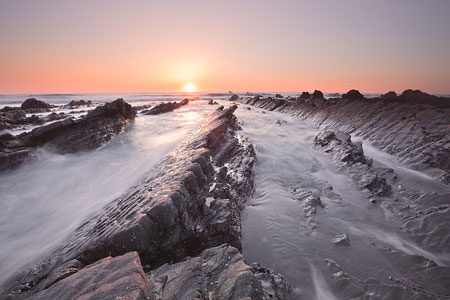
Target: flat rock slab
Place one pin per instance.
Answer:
(120, 277)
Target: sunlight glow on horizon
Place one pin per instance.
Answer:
(189, 87)
(159, 46)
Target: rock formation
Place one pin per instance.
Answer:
(412, 126)
(33, 103)
(188, 203)
(79, 103)
(68, 136)
(218, 273)
(166, 107)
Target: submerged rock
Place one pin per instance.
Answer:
(341, 240)
(310, 201)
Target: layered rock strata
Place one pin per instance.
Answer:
(188, 203)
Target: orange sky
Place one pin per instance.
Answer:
(61, 46)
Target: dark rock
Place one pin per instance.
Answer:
(69, 136)
(218, 273)
(166, 107)
(278, 96)
(31, 103)
(79, 103)
(118, 108)
(419, 97)
(54, 116)
(9, 108)
(234, 97)
(143, 108)
(173, 219)
(353, 94)
(317, 94)
(15, 118)
(120, 277)
(389, 95)
(212, 102)
(305, 95)
(12, 118)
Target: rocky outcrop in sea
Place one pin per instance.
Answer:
(166, 107)
(68, 135)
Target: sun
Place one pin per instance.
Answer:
(189, 87)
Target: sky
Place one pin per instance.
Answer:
(99, 46)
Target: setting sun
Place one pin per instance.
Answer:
(189, 88)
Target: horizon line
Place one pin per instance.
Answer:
(207, 92)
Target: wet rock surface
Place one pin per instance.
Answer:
(412, 273)
(190, 202)
(409, 210)
(166, 107)
(121, 277)
(15, 118)
(142, 108)
(218, 273)
(69, 135)
(412, 126)
(11, 117)
(350, 156)
(427, 219)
